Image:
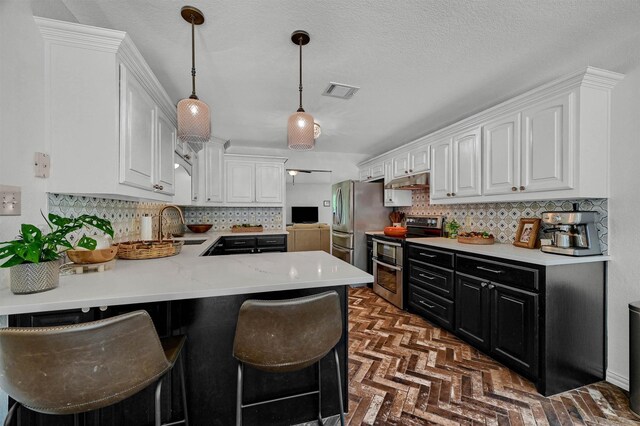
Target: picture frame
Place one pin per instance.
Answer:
(527, 233)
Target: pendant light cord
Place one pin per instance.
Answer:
(300, 86)
(193, 59)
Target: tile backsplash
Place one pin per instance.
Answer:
(124, 215)
(501, 219)
(223, 218)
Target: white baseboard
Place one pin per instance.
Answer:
(618, 380)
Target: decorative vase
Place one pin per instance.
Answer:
(34, 277)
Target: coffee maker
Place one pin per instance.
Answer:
(573, 232)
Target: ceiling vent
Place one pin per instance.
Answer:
(339, 90)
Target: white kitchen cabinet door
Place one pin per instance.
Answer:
(137, 132)
(195, 177)
(213, 173)
(240, 179)
(269, 182)
(467, 160)
(165, 150)
(419, 159)
(501, 155)
(547, 145)
(401, 165)
(395, 197)
(376, 171)
(364, 174)
(440, 185)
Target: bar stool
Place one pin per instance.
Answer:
(77, 368)
(288, 335)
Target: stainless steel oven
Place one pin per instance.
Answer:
(387, 270)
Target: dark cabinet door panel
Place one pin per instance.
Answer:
(504, 273)
(514, 320)
(472, 310)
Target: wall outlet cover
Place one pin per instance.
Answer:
(326, 203)
(10, 200)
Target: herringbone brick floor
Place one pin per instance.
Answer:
(405, 371)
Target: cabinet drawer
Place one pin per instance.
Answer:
(239, 242)
(431, 306)
(432, 278)
(432, 256)
(504, 273)
(271, 240)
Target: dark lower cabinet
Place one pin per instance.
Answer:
(249, 244)
(500, 320)
(472, 310)
(544, 322)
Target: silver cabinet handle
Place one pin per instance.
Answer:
(239, 242)
(426, 276)
(387, 243)
(103, 308)
(428, 255)
(85, 310)
(453, 194)
(513, 188)
(386, 265)
(483, 285)
(491, 286)
(271, 242)
(426, 304)
(448, 194)
(482, 268)
(522, 188)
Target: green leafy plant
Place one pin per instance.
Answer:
(34, 246)
(452, 228)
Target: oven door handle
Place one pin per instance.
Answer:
(340, 249)
(387, 243)
(397, 268)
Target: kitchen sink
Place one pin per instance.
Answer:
(193, 242)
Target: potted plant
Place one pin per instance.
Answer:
(452, 228)
(33, 257)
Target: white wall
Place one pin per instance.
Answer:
(309, 195)
(624, 206)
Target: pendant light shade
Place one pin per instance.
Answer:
(194, 119)
(300, 127)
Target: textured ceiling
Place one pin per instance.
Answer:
(420, 64)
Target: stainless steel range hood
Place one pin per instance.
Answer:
(418, 181)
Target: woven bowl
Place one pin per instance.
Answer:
(92, 256)
(198, 229)
(395, 231)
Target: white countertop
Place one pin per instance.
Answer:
(508, 251)
(374, 232)
(189, 276)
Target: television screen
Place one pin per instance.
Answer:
(304, 214)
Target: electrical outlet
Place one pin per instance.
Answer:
(42, 164)
(10, 200)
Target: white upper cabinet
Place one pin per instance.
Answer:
(440, 184)
(419, 159)
(455, 172)
(269, 183)
(547, 145)
(401, 165)
(107, 117)
(256, 181)
(213, 173)
(371, 172)
(395, 197)
(501, 155)
(466, 164)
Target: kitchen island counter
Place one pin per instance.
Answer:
(188, 276)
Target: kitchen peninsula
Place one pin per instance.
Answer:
(199, 296)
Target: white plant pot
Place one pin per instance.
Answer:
(34, 277)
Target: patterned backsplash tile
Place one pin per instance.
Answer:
(501, 219)
(223, 218)
(124, 215)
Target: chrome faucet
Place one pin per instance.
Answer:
(160, 236)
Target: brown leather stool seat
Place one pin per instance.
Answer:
(76, 368)
(281, 336)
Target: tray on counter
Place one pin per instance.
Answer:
(138, 250)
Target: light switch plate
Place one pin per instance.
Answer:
(42, 164)
(10, 200)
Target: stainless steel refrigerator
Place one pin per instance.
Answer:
(357, 207)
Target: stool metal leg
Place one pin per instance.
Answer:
(184, 392)
(335, 354)
(10, 414)
(320, 422)
(76, 419)
(158, 421)
(239, 395)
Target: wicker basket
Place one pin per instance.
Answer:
(238, 229)
(137, 250)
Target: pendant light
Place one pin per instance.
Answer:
(194, 120)
(300, 128)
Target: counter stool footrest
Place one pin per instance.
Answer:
(298, 395)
